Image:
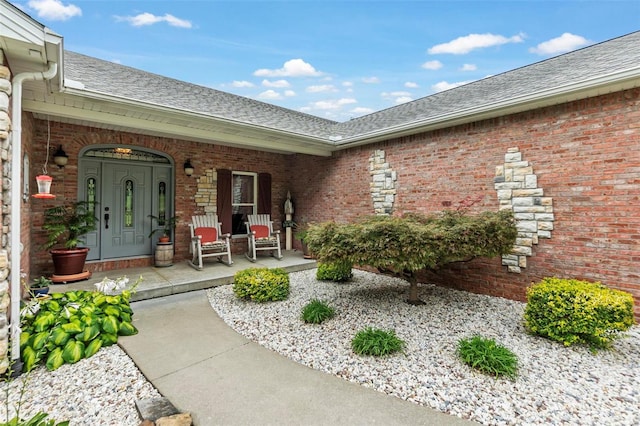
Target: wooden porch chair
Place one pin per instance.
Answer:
(207, 240)
(262, 237)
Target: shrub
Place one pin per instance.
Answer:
(335, 271)
(572, 311)
(317, 311)
(488, 357)
(72, 325)
(376, 342)
(261, 284)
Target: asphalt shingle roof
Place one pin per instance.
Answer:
(114, 79)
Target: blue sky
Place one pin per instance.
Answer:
(334, 59)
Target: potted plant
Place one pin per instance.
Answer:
(164, 249)
(166, 227)
(65, 226)
(40, 286)
(301, 234)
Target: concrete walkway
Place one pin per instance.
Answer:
(205, 368)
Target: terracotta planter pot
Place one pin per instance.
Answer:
(69, 261)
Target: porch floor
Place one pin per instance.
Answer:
(181, 277)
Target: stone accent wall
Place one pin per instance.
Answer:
(383, 188)
(206, 191)
(518, 190)
(5, 200)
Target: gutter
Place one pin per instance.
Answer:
(15, 142)
(586, 88)
(77, 89)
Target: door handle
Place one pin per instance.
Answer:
(106, 218)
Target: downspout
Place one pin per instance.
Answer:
(16, 193)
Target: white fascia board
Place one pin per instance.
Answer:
(319, 143)
(621, 80)
(17, 25)
(250, 140)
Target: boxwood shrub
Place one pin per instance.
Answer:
(261, 284)
(572, 311)
(338, 271)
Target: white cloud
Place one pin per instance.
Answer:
(269, 94)
(291, 68)
(394, 94)
(322, 88)
(371, 80)
(289, 93)
(276, 83)
(54, 9)
(403, 99)
(147, 18)
(243, 83)
(468, 67)
(466, 44)
(565, 43)
(432, 65)
(411, 85)
(399, 97)
(332, 104)
(443, 85)
(347, 84)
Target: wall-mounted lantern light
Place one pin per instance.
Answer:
(188, 168)
(60, 157)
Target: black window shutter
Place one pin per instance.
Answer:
(224, 199)
(264, 193)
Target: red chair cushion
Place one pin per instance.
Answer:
(262, 231)
(207, 235)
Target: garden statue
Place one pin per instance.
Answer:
(288, 211)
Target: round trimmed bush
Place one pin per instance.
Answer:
(261, 284)
(573, 311)
(338, 271)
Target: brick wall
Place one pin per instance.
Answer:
(203, 157)
(586, 155)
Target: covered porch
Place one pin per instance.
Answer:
(181, 278)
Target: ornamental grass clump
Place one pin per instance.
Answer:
(572, 311)
(376, 342)
(317, 311)
(261, 284)
(487, 356)
(338, 271)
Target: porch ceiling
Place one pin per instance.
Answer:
(153, 120)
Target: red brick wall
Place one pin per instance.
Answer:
(25, 225)
(203, 156)
(586, 155)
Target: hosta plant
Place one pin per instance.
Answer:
(487, 356)
(73, 325)
(376, 342)
(317, 311)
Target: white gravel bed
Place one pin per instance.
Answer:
(555, 385)
(100, 390)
